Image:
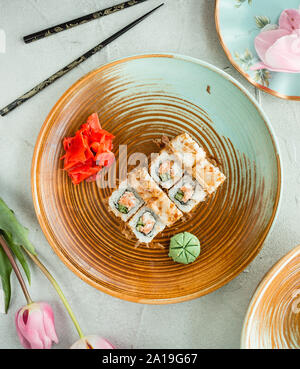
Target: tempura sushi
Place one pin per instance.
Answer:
(187, 151)
(187, 193)
(146, 225)
(165, 169)
(209, 176)
(194, 161)
(165, 209)
(144, 185)
(154, 197)
(125, 201)
(181, 168)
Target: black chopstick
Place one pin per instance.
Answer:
(71, 66)
(78, 21)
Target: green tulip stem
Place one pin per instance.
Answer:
(48, 275)
(16, 269)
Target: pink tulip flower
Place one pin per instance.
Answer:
(35, 326)
(279, 49)
(92, 342)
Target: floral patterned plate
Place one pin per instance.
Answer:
(238, 22)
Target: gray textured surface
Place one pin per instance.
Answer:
(181, 26)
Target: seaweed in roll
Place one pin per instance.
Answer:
(125, 202)
(146, 225)
(187, 193)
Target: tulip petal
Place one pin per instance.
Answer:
(289, 19)
(37, 330)
(92, 342)
(34, 331)
(266, 39)
(79, 345)
(46, 341)
(23, 341)
(49, 323)
(99, 343)
(35, 340)
(29, 334)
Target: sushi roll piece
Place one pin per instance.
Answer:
(166, 170)
(209, 176)
(187, 151)
(187, 193)
(125, 201)
(146, 225)
(153, 196)
(165, 209)
(144, 185)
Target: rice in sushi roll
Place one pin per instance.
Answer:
(125, 201)
(187, 193)
(166, 169)
(146, 225)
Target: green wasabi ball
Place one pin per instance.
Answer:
(184, 248)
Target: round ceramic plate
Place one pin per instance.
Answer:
(238, 22)
(273, 317)
(139, 99)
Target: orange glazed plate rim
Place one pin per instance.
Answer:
(262, 289)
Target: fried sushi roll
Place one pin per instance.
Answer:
(165, 209)
(166, 169)
(209, 176)
(187, 151)
(154, 197)
(146, 225)
(144, 185)
(187, 193)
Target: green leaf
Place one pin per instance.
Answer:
(240, 2)
(261, 21)
(246, 59)
(17, 250)
(5, 272)
(263, 76)
(16, 236)
(10, 225)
